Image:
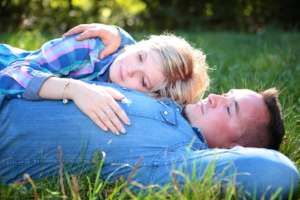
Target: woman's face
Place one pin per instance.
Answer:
(139, 69)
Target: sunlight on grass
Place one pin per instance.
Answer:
(91, 186)
(29, 40)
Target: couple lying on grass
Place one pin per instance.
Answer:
(162, 135)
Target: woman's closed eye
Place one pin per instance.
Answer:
(144, 83)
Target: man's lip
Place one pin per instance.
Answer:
(201, 107)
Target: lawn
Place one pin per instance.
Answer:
(236, 60)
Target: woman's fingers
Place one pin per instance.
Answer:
(114, 119)
(115, 106)
(114, 114)
(100, 105)
(108, 34)
(75, 30)
(97, 121)
(109, 49)
(119, 112)
(107, 121)
(114, 93)
(111, 114)
(86, 35)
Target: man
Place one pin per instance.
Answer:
(239, 117)
(158, 140)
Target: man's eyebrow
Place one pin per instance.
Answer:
(237, 106)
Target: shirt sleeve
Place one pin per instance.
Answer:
(126, 38)
(59, 57)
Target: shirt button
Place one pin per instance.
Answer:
(126, 101)
(155, 164)
(165, 112)
(19, 96)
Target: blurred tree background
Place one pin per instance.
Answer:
(151, 15)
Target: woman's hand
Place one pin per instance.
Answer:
(108, 34)
(98, 103)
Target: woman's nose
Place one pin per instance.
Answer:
(131, 71)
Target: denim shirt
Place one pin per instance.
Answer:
(158, 141)
(157, 127)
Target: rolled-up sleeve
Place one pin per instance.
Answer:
(126, 38)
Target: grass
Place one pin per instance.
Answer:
(237, 60)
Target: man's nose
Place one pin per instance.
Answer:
(215, 99)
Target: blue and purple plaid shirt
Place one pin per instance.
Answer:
(22, 73)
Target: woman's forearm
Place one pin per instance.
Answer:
(96, 101)
(59, 88)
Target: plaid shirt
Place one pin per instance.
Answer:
(23, 72)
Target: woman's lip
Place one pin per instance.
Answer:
(121, 73)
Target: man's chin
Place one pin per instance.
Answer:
(189, 112)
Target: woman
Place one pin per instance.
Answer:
(165, 65)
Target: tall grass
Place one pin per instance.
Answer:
(237, 60)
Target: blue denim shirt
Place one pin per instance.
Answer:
(154, 122)
(158, 141)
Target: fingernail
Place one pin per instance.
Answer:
(117, 133)
(128, 123)
(123, 130)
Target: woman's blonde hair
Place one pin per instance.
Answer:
(184, 67)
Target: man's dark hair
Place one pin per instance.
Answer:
(265, 133)
(275, 127)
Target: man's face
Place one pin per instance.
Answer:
(222, 118)
(139, 69)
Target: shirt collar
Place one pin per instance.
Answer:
(200, 135)
(105, 63)
(173, 104)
